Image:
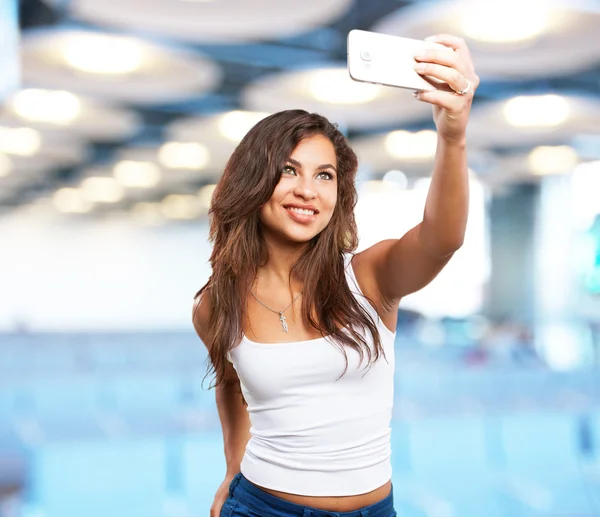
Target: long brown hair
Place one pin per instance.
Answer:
(248, 181)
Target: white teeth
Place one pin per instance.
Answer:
(302, 211)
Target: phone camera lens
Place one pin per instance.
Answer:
(365, 55)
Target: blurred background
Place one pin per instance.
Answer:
(117, 117)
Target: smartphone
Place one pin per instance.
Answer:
(388, 60)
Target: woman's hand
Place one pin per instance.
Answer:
(455, 67)
(221, 496)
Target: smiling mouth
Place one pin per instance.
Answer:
(304, 211)
(301, 215)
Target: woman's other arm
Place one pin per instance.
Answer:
(235, 423)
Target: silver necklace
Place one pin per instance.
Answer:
(284, 324)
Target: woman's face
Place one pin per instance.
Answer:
(303, 201)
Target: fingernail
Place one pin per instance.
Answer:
(419, 67)
(416, 95)
(430, 38)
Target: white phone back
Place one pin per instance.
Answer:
(388, 60)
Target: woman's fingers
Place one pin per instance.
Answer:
(453, 65)
(454, 42)
(447, 100)
(446, 57)
(455, 79)
(217, 506)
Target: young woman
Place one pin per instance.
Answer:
(299, 330)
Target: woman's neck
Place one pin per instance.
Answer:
(281, 259)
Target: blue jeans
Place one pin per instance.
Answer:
(247, 500)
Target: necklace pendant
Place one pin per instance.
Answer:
(284, 324)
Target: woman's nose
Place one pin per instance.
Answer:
(305, 189)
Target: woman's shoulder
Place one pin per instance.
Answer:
(201, 310)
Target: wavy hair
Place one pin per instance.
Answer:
(247, 183)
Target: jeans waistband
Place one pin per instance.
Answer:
(250, 495)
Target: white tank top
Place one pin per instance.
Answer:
(312, 434)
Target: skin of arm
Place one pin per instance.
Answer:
(235, 422)
(394, 268)
(444, 223)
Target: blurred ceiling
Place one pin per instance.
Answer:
(132, 107)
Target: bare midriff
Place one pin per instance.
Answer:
(335, 504)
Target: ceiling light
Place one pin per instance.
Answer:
(70, 200)
(147, 213)
(336, 87)
(5, 165)
(498, 22)
(205, 195)
(180, 155)
(536, 111)
(552, 159)
(396, 178)
(102, 190)
(235, 124)
(40, 208)
(130, 173)
(180, 207)
(411, 146)
(103, 54)
(57, 107)
(22, 141)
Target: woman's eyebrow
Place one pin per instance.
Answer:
(323, 166)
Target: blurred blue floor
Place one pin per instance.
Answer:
(118, 431)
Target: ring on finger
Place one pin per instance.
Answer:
(466, 89)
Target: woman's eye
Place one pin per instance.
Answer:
(288, 169)
(327, 175)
